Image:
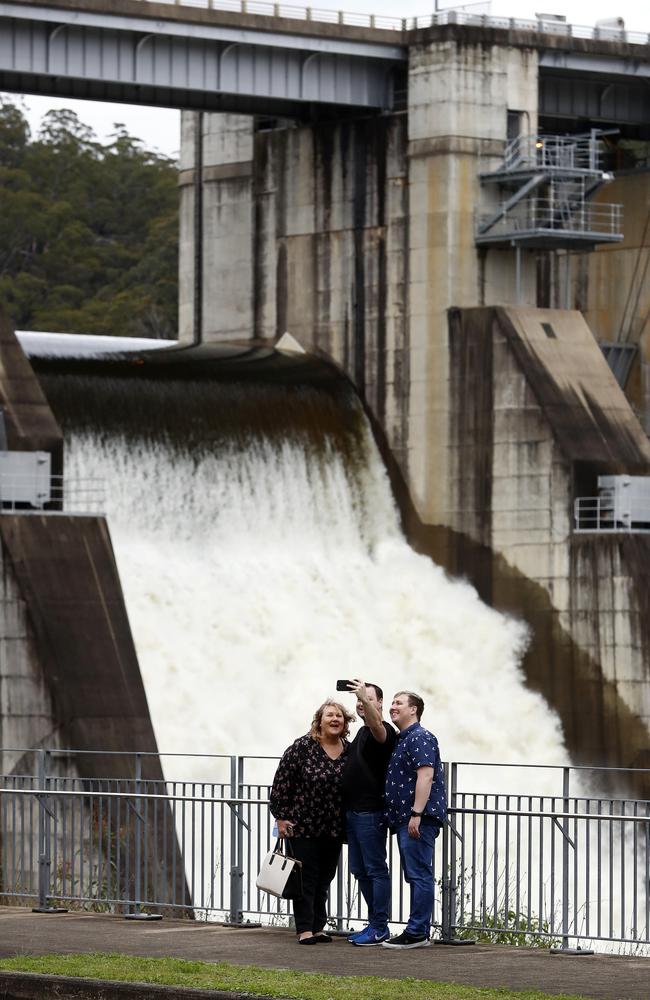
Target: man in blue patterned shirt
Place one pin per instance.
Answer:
(416, 808)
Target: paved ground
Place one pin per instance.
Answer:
(604, 977)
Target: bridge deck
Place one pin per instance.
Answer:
(277, 60)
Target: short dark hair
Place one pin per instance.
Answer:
(414, 701)
(378, 691)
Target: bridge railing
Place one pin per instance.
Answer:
(441, 17)
(525, 866)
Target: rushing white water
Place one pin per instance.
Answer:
(257, 575)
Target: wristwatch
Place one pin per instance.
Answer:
(417, 815)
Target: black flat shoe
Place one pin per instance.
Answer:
(322, 938)
(311, 940)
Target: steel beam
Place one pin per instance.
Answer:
(213, 67)
(595, 64)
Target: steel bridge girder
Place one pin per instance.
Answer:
(177, 64)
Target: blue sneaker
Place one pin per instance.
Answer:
(370, 936)
(355, 934)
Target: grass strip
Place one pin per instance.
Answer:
(251, 979)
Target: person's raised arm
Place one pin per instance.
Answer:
(371, 714)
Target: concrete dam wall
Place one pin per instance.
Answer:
(61, 572)
(69, 675)
(536, 416)
(357, 237)
(307, 229)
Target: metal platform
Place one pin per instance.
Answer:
(546, 182)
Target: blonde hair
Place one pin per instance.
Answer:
(314, 732)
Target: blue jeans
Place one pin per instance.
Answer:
(417, 862)
(367, 862)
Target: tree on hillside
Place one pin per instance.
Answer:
(88, 233)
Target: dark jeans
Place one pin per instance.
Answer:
(417, 862)
(319, 856)
(367, 861)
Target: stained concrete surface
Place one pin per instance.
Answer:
(602, 977)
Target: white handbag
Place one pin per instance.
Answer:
(281, 873)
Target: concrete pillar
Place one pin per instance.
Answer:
(216, 292)
(459, 97)
(612, 285)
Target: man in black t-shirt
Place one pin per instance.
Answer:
(363, 784)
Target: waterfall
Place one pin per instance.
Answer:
(261, 557)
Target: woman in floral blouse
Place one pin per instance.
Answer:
(306, 802)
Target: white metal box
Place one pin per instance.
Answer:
(25, 478)
(624, 500)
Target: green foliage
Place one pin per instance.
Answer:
(265, 982)
(88, 233)
(511, 928)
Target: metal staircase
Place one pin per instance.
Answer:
(545, 183)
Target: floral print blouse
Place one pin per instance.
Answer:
(307, 789)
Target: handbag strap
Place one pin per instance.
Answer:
(283, 846)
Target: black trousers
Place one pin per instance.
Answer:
(319, 856)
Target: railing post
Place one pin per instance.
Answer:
(448, 880)
(140, 832)
(44, 839)
(445, 882)
(565, 858)
(237, 824)
(565, 949)
(339, 896)
(236, 872)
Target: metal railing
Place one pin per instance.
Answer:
(441, 17)
(554, 154)
(600, 514)
(524, 867)
(553, 217)
(57, 494)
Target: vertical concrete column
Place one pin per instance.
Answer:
(189, 207)
(216, 289)
(459, 96)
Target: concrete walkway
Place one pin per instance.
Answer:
(604, 977)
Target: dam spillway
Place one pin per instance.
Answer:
(261, 556)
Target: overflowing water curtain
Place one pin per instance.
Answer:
(261, 557)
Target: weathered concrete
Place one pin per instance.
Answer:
(306, 230)
(27, 714)
(601, 977)
(612, 286)
(535, 416)
(65, 623)
(358, 237)
(69, 675)
(459, 96)
(67, 575)
(29, 423)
